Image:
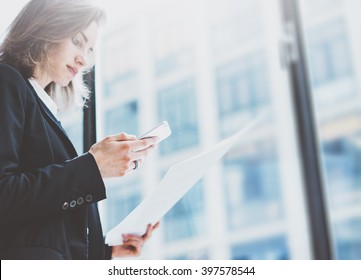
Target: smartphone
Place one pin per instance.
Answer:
(161, 130)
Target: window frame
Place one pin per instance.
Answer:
(307, 137)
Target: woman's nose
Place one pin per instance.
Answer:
(82, 59)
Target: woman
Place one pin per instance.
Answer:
(48, 193)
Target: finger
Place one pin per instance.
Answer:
(146, 150)
(122, 137)
(156, 138)
(148, 232)
(139, 145)
(142, 154)
(134, 250)
(134, 242)
(131, 238)
(156, 225)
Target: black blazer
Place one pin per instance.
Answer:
(48, 193)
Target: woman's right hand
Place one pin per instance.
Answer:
(115, 155)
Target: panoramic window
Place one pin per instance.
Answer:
(208, 68)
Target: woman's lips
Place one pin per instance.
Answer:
(73, 70)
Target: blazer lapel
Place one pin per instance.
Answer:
(54, 121)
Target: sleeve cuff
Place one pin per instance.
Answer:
(107, 252)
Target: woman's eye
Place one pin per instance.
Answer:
(76, 42)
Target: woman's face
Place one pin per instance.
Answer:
(68, 58)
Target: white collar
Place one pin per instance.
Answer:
(44, 97)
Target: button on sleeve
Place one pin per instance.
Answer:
(65, 205)
(89, 198)
(72, 203)
(80, 200)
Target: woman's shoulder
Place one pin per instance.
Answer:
(9, 72)
(12, 82)
(11, 76)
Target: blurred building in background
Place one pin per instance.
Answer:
(205, 67)
(333, 45)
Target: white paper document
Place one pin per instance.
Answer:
(179, 179)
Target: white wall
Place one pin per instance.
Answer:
(8, 12)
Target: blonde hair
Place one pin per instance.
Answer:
(41, 25)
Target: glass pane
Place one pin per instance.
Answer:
(208, 68)
(331, 30)
(72, 122)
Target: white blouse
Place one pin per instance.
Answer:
(44, 97)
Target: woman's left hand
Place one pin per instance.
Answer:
(132, 243)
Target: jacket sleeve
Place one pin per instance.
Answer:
(44, 192)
